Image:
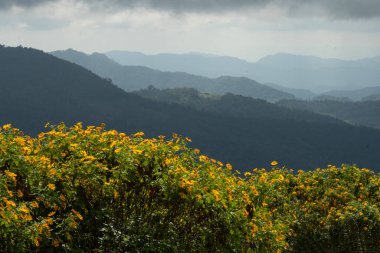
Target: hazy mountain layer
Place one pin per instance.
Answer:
(131, 78)
(292, 71)
(298, 93)
(355, 95)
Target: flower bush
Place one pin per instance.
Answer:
(89, 189)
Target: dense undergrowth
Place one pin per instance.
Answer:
(88, 189)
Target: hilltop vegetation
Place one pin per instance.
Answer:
(87, 189)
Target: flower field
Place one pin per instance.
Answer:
(88, 189)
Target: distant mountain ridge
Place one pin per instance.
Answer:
(364, 113)
(37, 87)
(292, 71)
(131, 78)
(298, 93)
(355, 95)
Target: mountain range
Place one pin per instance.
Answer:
(292, 71)
(132, 78)
(37, 87)
(327, 103)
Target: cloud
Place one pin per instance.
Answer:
(4, 4)
(333, 9)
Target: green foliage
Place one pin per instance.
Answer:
(87, 189)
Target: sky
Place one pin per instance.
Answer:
(248, 29)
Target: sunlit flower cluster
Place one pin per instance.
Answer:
(85, 188)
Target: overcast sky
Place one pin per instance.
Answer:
(249, 29)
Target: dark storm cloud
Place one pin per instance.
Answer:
(22, 3)
(339, 9)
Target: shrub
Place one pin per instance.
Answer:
(88, 189)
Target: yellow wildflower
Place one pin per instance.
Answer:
(27, 217)
(11, 175)
(9, 202)
(49, 221)
(26, 150)
(254, 190)
(20, 141)
(20, 194)
(246, 198)
(34, 204)
(137, 151)
(55, 243)
(7, 127)
(51, 186)
(62, 197)
(263, 178)
(24, 209)
(203, 158)
(139, 134)
(216, 194)
(254, 229)
(36, 242)
(52, 172)
(77, 214)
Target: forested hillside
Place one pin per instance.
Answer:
(233, 105)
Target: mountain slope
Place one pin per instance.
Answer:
(37, 87)
(365, 113)
(298, 93)
(131, 78)
(292, 71)
(355, 95)
(233, 105)
(198, 64)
